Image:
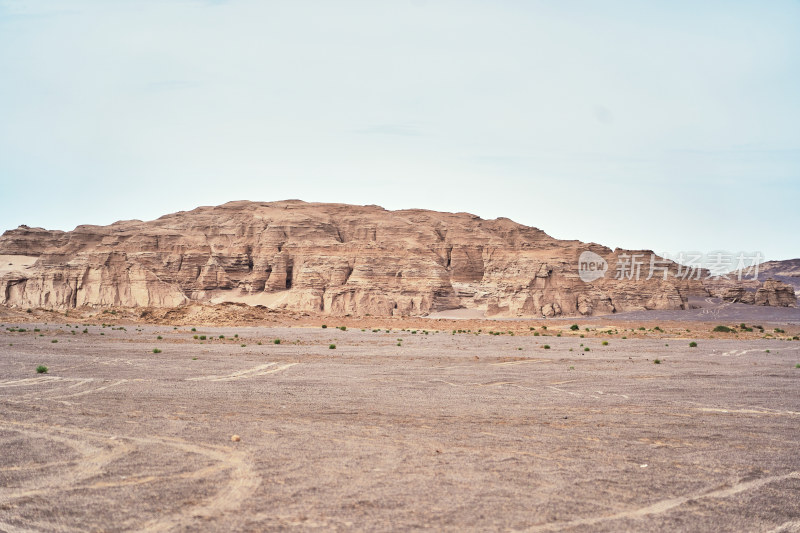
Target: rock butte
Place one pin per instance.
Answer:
(326, 258)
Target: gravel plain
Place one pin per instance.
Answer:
(444, 431)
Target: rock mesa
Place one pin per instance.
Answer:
(326, 258)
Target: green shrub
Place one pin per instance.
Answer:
(657, 361)
(332, 347)
(54, 341)
(605, 343)
(586, 349)
(324, 326)
(722, 329)
(41, 369)
(202, 337)
(194, 329)
(276, 341)
(779, 330)
(546, 346)
(222, 336)
(159, 337)
(692, 344)
(156, 350)
(574, 327)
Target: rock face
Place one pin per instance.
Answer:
(776, 294)
(328, 258)
(771, 293)
(787, 271)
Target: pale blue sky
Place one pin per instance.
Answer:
(665, 125)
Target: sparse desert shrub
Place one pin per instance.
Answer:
(194, 329)
(642, 329)
(276, 341)
(159, 337)
(546, 346)
(41, 369)
(196, 337)
(222, 336)
(605, 343)
(202, 337)
(332, 347)
(156, 350)
(586, 349)
(722, 329)
(574, 327)
(54, 341)
(343, 328)
(779, 330)
(657, 361)
(243, 345)
(324, 326)
(536, 334)
(692, 344)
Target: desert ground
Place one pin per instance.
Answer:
(429, 425)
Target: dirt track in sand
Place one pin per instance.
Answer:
(445, 431)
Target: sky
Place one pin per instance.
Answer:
(664, 125)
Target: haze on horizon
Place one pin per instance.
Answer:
(668, 125)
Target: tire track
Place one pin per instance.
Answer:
(242, 481)
(260, 370)
(668, 504)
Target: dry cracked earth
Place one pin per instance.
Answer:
(443, 431)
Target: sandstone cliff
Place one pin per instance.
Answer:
(329, 258)
(770, 293)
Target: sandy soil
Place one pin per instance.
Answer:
(446, 431)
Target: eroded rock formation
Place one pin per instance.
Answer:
(329, 258)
